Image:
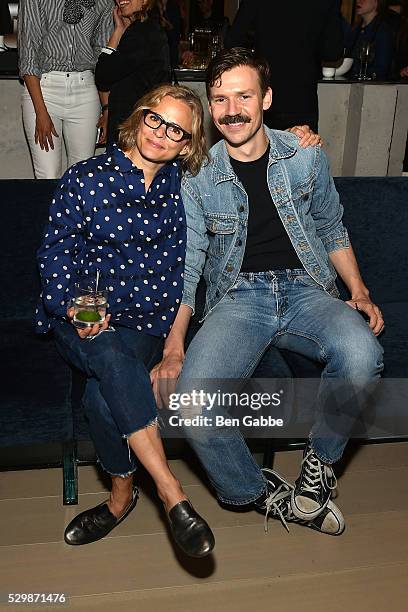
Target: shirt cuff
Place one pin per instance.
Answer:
(188, 301)
(29, 70)
(108, 50)
(336, 241)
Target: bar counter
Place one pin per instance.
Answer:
(364, 125)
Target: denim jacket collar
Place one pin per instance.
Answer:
(222, 169)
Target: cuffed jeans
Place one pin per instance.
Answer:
(289, 310)
(73, 104)
(118, 399)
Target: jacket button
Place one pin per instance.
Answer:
(241, 208)
(238, 243)
(229, 268)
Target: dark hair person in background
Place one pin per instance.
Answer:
(209, 14)
(294, 37)
(401, 56)
(135, 59)
(172, 14)
(377, 28)
(392, 12)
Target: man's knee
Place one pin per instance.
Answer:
(358, 354)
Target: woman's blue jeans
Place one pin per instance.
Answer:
(118, 398)
(286, 309)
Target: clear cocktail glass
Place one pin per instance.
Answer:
(90, 304)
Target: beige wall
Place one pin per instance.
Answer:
(364, 128)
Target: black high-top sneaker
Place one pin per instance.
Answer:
(277, 504)
(314, 486)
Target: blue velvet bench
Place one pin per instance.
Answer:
(41, 422)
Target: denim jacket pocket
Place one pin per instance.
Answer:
(302, 195)
(218, 226)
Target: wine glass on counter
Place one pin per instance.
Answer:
(366, 56)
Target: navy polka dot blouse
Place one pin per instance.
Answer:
(101, 218)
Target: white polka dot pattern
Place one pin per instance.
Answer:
(102, 218)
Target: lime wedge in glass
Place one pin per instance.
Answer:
(88, 316)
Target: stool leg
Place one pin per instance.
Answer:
(70, 473)
(269, 454)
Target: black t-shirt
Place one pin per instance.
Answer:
(268, 246)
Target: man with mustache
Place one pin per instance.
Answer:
(265, 229)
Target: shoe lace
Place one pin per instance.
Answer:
(316, 474)
(276, 504)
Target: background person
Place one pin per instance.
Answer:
(59, 42)
(135, 59)
(174, 27)
(294, 37)
(401, 59)
(401, 56)
(121, 213)
(376, 28)
(209, 14)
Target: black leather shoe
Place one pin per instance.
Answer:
(190, 530)
(95, 523)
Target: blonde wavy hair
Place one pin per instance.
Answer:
(197, 153)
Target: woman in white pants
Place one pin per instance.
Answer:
(59, 42)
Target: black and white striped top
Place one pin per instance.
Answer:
(46, 43)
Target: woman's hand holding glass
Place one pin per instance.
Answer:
(96, 329)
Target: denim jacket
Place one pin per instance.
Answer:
(216, 206)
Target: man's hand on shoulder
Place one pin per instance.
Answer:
(368, 311)
(164, 376)
(307, 137)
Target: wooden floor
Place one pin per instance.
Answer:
(137, 568)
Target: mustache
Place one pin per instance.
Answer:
(229, 119)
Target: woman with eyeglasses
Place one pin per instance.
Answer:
(121, 214)
(135, 59)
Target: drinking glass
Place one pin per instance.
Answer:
(201, 47)
(366, 57)
(90, 304)
(215, 45)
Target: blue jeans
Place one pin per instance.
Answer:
(286, 309)
(118, 398)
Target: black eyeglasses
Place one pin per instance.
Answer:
(173, 131)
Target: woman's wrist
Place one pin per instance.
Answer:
(115, 38)
(40, 110)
